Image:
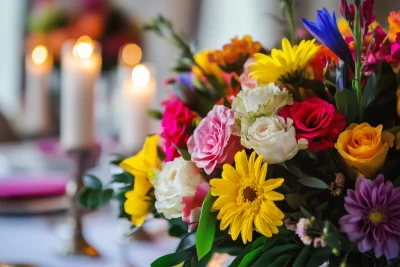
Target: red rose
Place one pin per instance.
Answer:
(315, 120)
(176, 118)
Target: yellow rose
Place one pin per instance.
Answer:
(204, 65)
(364, 148)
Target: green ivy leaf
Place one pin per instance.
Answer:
(206, 229)
(92, 182)
(313, 182)
(172, 259)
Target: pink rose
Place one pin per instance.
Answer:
(212, 143)
(245, 80)
(192, 205)
(176, 118)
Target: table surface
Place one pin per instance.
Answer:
(36, 239)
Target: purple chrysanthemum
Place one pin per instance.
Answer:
(374, 217)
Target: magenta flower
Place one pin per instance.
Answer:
(373, 219)
(212, 143)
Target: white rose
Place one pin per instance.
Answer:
(178, 178)
(273, 138)
(263, 100)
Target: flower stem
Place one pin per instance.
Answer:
(288, 8)
(357, 85)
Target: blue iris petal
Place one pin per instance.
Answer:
(326, 31)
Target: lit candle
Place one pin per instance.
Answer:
(137, 96)
(38, 65)
(81, 64)
(129, 56)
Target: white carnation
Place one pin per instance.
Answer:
(178, 178)
(262, 100)
(273, 138)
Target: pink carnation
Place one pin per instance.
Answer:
(176, 118)
(192, 205)
(212, 143)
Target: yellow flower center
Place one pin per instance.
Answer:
(249, 194)
(376, 217)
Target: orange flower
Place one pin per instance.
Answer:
(319, 61)
(234, 51)
(394, 25)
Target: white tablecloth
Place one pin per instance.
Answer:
(35, 239)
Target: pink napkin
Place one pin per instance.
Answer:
(25, 186)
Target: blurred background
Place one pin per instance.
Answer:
(29, 228)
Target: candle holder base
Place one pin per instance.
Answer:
(78, 247)
(76, 244)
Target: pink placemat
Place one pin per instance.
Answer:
(30, 186)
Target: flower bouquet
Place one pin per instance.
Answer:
(286, 157)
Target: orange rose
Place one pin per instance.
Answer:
(364, 149)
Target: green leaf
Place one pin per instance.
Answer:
(273, 253)
(319, 257)
(206, 229)
(313, 182)
(259, 242)
(240, 257)
(184, 153)
(156, 114)
(322, 207)
(295, 200)
(347, 104)
(251, 257)
(172, 259)
(92, 182)
(124, 178)
(106, 196)
(302, 257)
(370, 92)
(305, 212)
(281, 260)
(293, 169)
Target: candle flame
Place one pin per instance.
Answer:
(84, 48)
(131, 54)
(39, 54)
(140, 75)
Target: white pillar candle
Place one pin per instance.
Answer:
(81, 64)
(137, 96)
(129, 56)
(38, 65)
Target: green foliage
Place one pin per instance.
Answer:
(206, 230)
(313, 182)
(369, 94)
(156, 114)
(92, 182)
(346, 103)
(172, 259)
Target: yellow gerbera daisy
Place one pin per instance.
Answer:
(246, 198)
(283, 64)
(143, 167)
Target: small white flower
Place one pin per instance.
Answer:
(262, 100)
(272, 137)
(178, 178)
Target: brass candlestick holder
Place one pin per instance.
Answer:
(77, 244)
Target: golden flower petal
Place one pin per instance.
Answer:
(274, 196)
